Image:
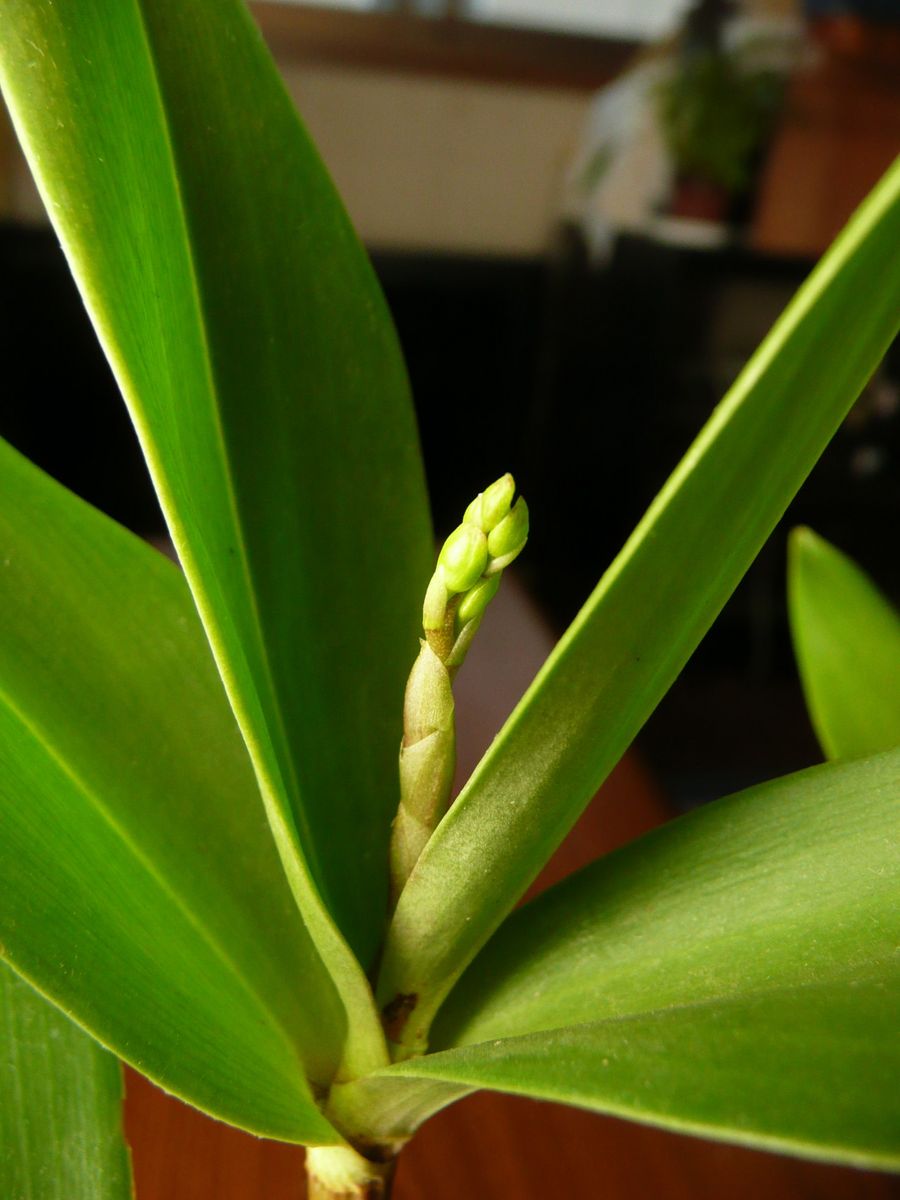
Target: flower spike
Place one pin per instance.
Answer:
(465, 580)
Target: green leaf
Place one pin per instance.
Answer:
(847, 642)
(60, 1105)
(140, 888)
(650, 609)
(809, 1071)
(254, 349)
(785, 883)
(732, 973)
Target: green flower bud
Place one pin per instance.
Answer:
(506, 540)
(495, 502)
(435, 607)
(463, 557)
(477, 599)
(464, 582)
(491, 506)
(472, 515)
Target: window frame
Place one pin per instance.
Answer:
(444, 46)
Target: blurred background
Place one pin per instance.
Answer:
(585, 215)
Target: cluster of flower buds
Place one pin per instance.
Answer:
(493, 532)
(466, 578)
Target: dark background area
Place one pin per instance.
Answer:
(588, 383)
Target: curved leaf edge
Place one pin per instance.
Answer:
(806, 548)
(364, 1045)
(400, 972)
(365, 1048)
(325, 1135)
(444, 1067)
(671, 844)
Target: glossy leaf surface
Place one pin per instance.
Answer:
(809, 1071)
(733, 973)
(253, 347)
(651, 608)
(60, 1105)
(139, 884)
(784, 884)
(847, 642)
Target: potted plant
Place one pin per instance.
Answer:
(198, 772)
(715, 111)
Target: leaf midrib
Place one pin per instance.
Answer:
(364, 1037)
(726, 997)
(621, 972)
(152, 869)
(304, 847)
(720, 999)
(655, 1115)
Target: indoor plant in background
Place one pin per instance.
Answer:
(715, 111)
(199, 772)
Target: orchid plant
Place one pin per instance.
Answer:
(198, 767)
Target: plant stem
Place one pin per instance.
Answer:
(341, 1173)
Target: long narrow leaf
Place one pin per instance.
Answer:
(648, 612)
(254, 349)
(60, 1105)
(140, 887)
(847, 641)
(809, 1071)
(733, 973)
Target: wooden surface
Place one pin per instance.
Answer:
(484, 1148)
(840, 132)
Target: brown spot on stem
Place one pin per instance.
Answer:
(395, 1014)
(378, 1152)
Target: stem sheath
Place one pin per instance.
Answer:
(340, 1173)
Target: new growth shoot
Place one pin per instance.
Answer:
(465, 580)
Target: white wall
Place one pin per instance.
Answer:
(442, 164)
